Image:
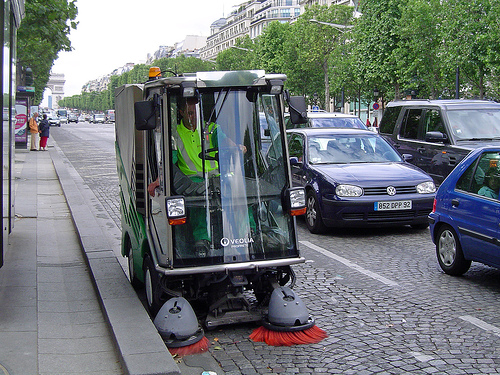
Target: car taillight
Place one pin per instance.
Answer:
(434, 205)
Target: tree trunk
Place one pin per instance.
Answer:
(327, 86)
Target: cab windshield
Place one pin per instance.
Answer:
(233, 192)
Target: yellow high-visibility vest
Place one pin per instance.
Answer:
(188, 145)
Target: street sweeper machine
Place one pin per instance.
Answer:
(208, 208)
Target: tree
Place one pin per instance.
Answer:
(472, 40)
(318, 42)
(419, 63)
(42, 35)
(376, 37)
(240, 57)
(270, 52)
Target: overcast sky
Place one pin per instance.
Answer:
(112, 33)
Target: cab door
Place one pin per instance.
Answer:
(160, 230)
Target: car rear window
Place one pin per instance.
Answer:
(337, 122)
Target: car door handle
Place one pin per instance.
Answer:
(455, 202)
(421, 150)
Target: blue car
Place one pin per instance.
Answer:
(464, 222)
(354, 178)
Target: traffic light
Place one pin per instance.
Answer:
(28, 77)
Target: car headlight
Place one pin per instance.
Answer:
(426, 188)
(348, 191)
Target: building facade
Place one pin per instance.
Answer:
(11, 14)
(250, 18)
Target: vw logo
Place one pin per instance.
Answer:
(391, 190)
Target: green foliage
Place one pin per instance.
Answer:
(240, 57)
(104, 100)
(42, 35)
(396, 46)
(471, 34)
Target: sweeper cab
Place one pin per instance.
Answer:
(208, 209)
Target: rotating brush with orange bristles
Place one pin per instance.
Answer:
(288, 322)
(178, 326)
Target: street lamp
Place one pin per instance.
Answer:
(341, 28)
(243, 49)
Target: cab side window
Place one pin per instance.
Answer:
(411, 122)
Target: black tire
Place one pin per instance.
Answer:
(314, 222)
(136, 283)
(152, 286)
(449, 252)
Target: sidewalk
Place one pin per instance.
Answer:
(66, 306)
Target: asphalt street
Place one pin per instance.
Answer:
(378, 293)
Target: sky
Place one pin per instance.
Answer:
(112, 33)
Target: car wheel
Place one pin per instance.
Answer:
(152, 285)
(136, 283)
(449, 252)
(314, 222)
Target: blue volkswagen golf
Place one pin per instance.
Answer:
(354, 178)
(465, 220)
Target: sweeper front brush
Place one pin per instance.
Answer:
(288, 322)
(178, 326)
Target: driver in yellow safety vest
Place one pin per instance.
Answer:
(186, 155)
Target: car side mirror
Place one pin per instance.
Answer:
(436, 136)
(294, 160)
(407, 157)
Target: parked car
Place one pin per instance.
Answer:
(54, 120)
(440, 133)
(464, 223)
(98, 118)
(327, 120)
(72, 118)
(354, 178)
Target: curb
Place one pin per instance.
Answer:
(140, 347)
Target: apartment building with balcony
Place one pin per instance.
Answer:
(250, 18)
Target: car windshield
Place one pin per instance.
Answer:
(337, 122)
(474, 124)
(348, 148)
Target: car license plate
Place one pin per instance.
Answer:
(394, 205)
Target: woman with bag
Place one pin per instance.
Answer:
(44, 133)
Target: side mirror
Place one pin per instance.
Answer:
(407, 157)
(435, 137)
(294, 160)
(298, 109)
(144, 113)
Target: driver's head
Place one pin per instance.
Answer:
(187, 109)
(492, 178)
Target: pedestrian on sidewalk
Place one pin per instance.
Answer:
(44, 133)
(33, 131)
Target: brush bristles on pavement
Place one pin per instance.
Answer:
(199, 347)
(311, 335)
